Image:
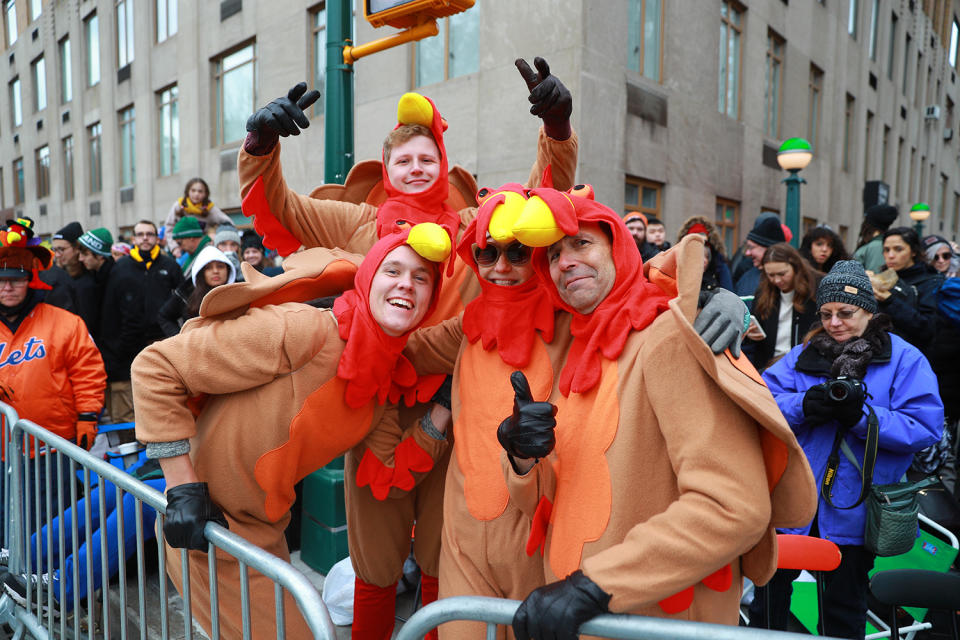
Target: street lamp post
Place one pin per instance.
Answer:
(794, 155)
(918, 213)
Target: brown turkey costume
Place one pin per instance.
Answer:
(672, 466)
(283, 388)
(352, 216)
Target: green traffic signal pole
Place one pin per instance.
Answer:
(338, 105)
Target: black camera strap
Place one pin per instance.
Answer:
(869, 460)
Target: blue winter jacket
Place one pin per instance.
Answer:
(903, 393)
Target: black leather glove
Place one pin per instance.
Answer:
(551, 100)
(848, 411)
(189, 508)
(284, 116)
(442, 395)
(818, 408)
(556, 611)
(529, 432)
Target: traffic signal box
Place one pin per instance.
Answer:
(323, 527)
(403, 14)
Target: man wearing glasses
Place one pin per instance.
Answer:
(136, 288)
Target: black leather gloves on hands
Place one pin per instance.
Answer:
(551, 101)
(557, 610)
(189, 508)
(819, 407)
(530, 431)
(722, 321)
(285, 116)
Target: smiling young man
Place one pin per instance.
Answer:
(309, 384)
(706, 514)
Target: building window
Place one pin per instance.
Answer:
(68, 168)
(39, 84)
(645, 37)
(731, 21)
(954, 35)
(42, 165)
(885, 147)
(867, 140)
(807, 224)
(169, 131)
(816, 98)
(728, 223)
(66, 72)
(318, 61)
(10, 15)
(128, 168)
(95, 154)
(941, 207)
(166, 19)
(35, 9)
(843, 231)
(91, 29)
(892, 45)
(874, 22)
(898, 172)
(235, 80)
(852, 15)
(956, 213)
(771, 116)
(848, 113)
(911, 186)
(16, 112)
(124, 32)
(18, 181)
(453, 53)
(643, 196)
(906, 65)
(919, 88)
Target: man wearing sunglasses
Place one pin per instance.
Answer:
(658, 495)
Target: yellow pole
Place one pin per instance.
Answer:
(419, 32)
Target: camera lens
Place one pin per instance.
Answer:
(838, 392)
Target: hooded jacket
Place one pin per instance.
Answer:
(909, 411)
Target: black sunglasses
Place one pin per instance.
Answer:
(517, 254)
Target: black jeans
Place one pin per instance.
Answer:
(845, 592)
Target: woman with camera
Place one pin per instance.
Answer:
(850, 369)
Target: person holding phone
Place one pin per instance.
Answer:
(785, 305)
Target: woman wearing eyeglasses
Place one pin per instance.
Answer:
(851, 340)
(941, 255)
(911, 302)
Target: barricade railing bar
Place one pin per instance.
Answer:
(497, 611)
(47, 485)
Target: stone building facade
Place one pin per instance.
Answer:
(110, 106)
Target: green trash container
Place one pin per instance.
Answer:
(323, 527)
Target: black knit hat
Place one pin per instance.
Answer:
(70, 233)
(881, 216)
(767, 231)
(252, 241)
(847, 282)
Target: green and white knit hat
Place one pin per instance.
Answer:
(97, 240)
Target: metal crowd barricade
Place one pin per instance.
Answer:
(497, 611)
(49, 484)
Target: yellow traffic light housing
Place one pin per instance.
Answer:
(402, 14)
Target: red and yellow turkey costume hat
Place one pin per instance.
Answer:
(428, 205)
(633, 302)
(371, 363)
(21, 251)
(507, 318)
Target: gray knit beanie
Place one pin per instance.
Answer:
(847, 282)
(225, 233)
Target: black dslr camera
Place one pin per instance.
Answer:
(845, 389)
